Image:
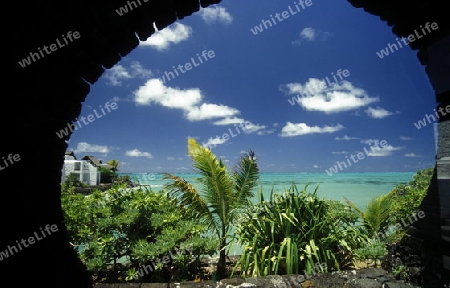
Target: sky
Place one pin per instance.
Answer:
(303, 85)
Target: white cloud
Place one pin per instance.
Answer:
(118, 73)
(155, 91)
(316, 166)
(369, 141)
(298, 129)
(137, 70)
(411, 155)
(252, 128)
(247, 128)
(213, 142)
(210, 111)
(86, 147)
(314, 95)
(137, 153)
(340, 152)
(265, 132)
(345, 138)
(188, 100)
(310, 34)
(378, 112)
(215, 14)
(229, 121)
(162, 39)
(404, 138)
(379, 151)
(170, 158)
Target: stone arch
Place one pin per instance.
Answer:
(39, 103)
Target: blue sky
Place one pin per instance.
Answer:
(245, 83)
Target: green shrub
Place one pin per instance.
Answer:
(294, 231)
(119, 231)
(374, 251)
(73, 180)
(407, 198)
(107, 175)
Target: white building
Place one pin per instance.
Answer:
(87, 172)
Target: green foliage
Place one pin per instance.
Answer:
(121, 230)
(222, 196)
(375, 250)
(375, 218)
(295, 230)
(407, 198)
(114, 165)
(107, 175)
(401, 272)
(73, 180)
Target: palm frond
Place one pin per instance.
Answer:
(186, 193)
(217, 185)
(376, 216)
(245, 177)
(377, 212)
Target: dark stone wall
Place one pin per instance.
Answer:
(424, 248)
(40, 99)
(43, 97)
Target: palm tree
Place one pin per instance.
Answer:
(375, 218)
(222, 193)
(114, 165)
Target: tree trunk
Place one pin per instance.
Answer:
(221, 264)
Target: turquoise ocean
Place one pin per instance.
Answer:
(360, 188)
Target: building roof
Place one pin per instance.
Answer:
(94, 161)
(70, 153)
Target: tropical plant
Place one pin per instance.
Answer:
(401, 272)
(114, 165)
(375, 217)
(295, 230)
(73, 179)
(374, 251)
(107, 175)
(222, 194)
(408, 197)
(119, 231)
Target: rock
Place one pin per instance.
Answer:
(366, 283)
(265, 281)
(371, 273)
(398, 285)
(293, 280)
(231, 281)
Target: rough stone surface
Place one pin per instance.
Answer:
(362, 278)
(366, 283)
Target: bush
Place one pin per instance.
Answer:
(73, 180)
(296, 231)
(374, 251)
(107, 175)
(118, 232)
(407, 198)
